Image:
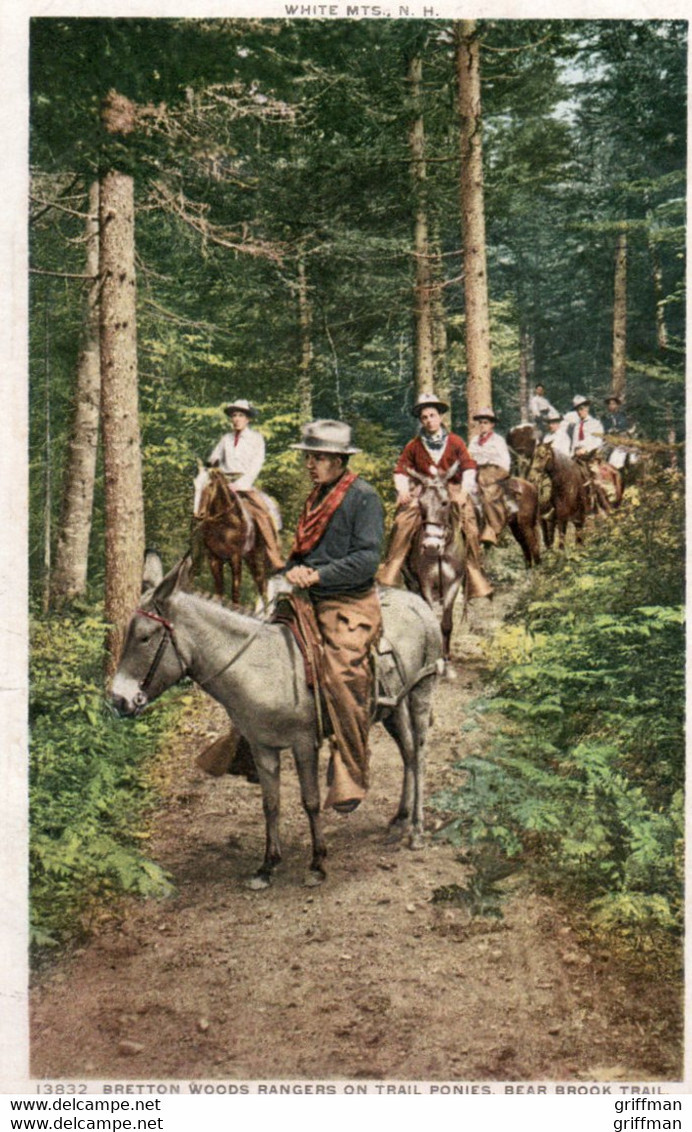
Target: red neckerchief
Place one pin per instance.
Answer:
(236, 438)
(315, 516)
(482, 439)
(581, 431)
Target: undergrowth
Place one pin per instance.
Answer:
(583, 777)
(88, 790)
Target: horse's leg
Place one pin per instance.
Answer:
(216, 567)
(268, 763)
(399, 726)
(236, 564)
(306, 760)
(520, 536)
(420, 708)
(257, 562)
(451, 584)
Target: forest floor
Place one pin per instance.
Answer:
(366, 978)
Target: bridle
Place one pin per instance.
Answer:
(170, 636)
(166, 637)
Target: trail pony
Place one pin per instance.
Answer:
(254, 668)
(436, 563)
(566, 502)
(226, 530)
(522, 441)
(523, 523)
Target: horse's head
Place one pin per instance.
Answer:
(522, 439)
(152, 659)
(541, 462)
(435, 507)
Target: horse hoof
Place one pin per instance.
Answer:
(416, 840)
(258, 882)
(313, 879)
(450, 672)
(395, 833)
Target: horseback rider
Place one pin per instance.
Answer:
(539, 408)
(334, 557)
(240, 456)
(557, 436)
(493, 459)
(586, 449)
(616, 423)
(432, 452)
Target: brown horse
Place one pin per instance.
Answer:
(522, 441)
(523, 523)
(228, 534)
(567, 501)
(436, 563)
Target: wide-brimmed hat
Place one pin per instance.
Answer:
(327, 436)
(613, 397)
(484, 414)
(240, 406)
(554, 416)
(428, 401)
(578, 400)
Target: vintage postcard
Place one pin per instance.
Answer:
(382, 307)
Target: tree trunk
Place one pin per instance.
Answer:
(441, 382)
(305, 326)
(478, 360)
(525, 373)
(119, 408)
(424, 376)
(71, 559)
(620, 317)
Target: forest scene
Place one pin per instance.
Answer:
(329, 218)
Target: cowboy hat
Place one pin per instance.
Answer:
(428, 401)
(613, 397)
(485, 414)
(327, 436)
(554, 416)
(578, 400)
(240, 406)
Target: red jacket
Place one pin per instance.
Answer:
(415, 455)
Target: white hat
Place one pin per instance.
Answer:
(578, 400)
(484, 414)
(241, 406)
(327, 436)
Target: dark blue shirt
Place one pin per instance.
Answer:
(348, 553)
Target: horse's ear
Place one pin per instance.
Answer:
(152, 572)
(177, 579)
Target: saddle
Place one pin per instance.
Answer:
(391, 684)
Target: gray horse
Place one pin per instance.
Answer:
(255, 670)
(436, 564)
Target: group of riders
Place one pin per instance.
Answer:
(335, 557)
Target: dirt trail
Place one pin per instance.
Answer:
(365, 978)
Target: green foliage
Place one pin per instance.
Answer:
(585, 772)
(88, 795)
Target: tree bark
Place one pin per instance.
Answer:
(525, 372)
(441, 382)
(119, 408)
(478, 358)
(72, 552)
(620, 317)
(423, 315)
(305, 327)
